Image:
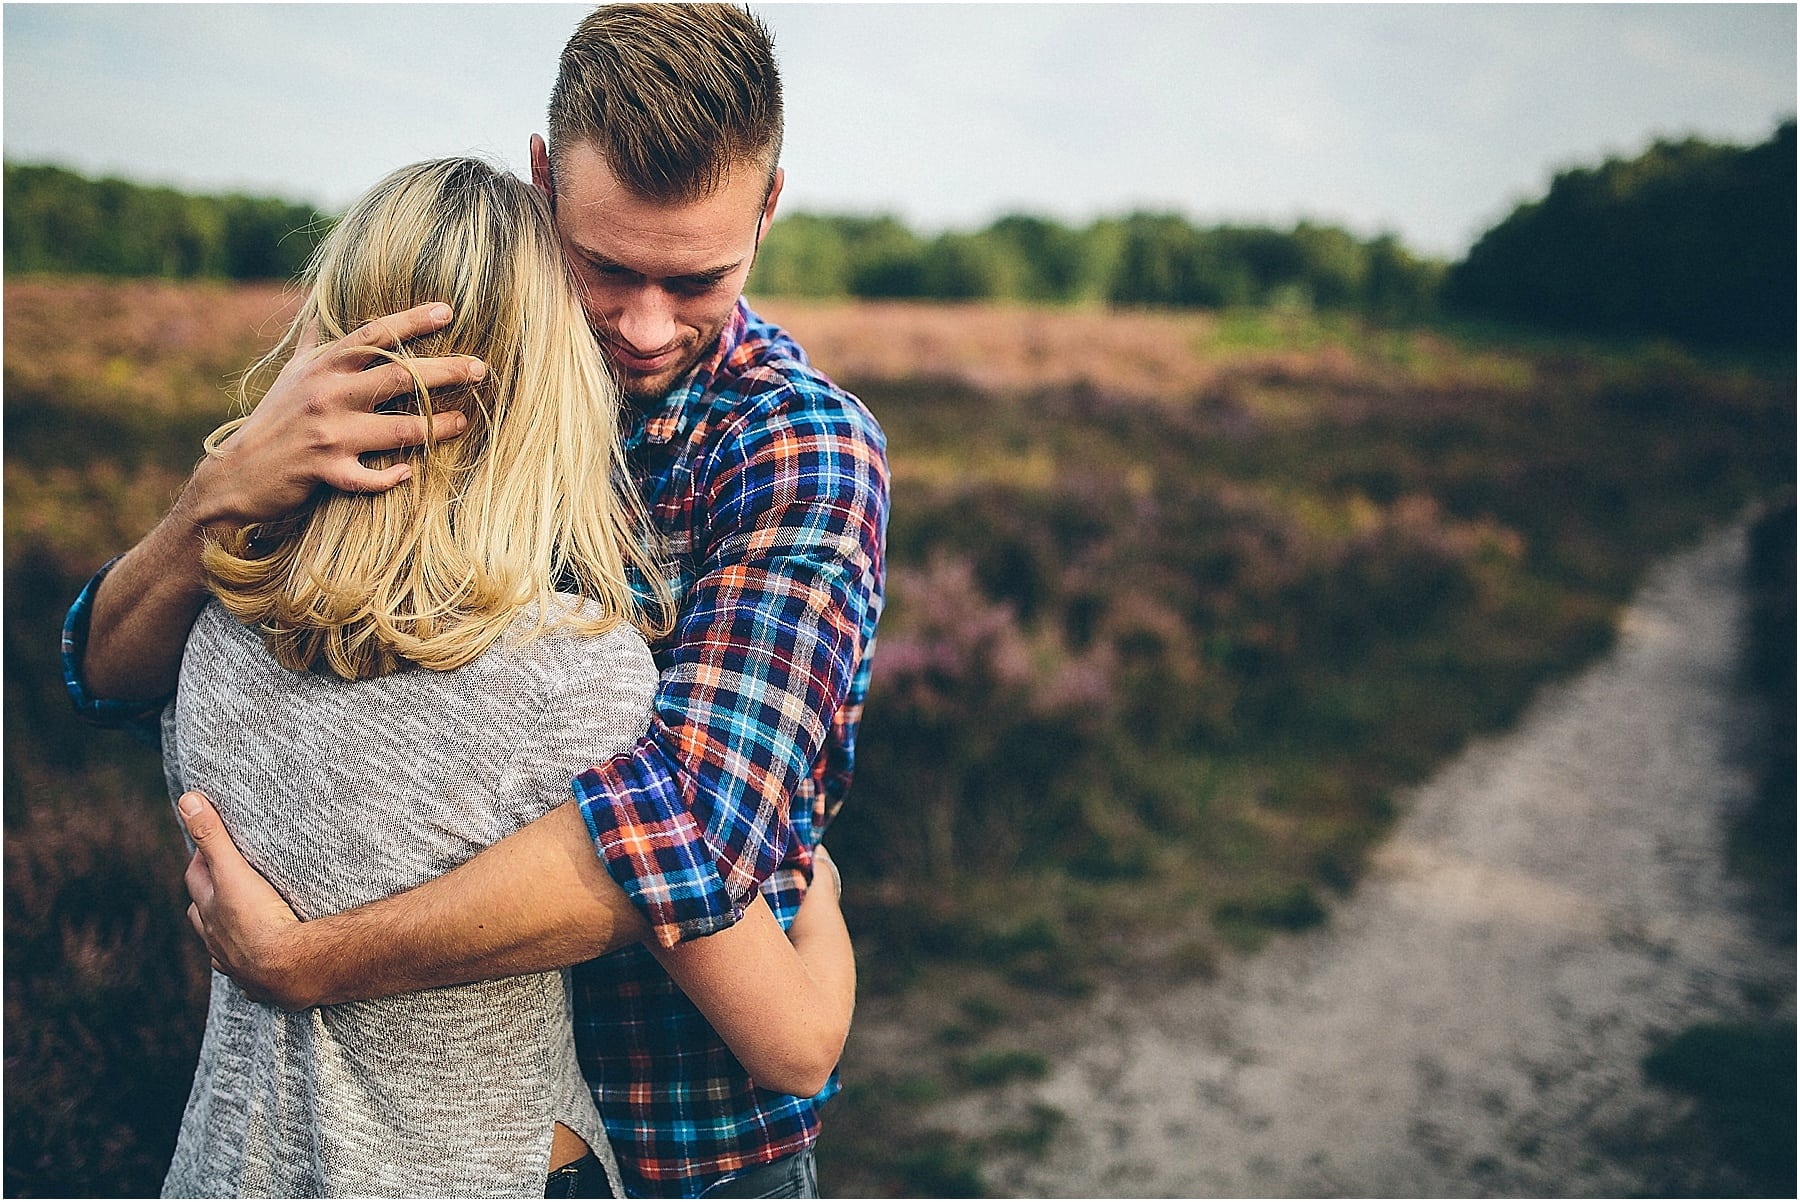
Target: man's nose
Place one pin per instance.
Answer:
(646, 324)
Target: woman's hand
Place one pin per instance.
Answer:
(821, 914)
(781, 1002)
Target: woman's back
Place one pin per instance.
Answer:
(341, 792)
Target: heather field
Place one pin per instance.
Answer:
(1177, 603)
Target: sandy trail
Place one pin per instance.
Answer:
(1472, 1020)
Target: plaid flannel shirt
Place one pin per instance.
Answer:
(769, 487)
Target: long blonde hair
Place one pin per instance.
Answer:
(534, 493)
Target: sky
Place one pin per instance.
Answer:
(1427, 121)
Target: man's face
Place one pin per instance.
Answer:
(658, 280)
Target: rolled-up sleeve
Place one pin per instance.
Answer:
(141, 718)
(790, 516)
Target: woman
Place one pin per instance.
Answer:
(387, 683)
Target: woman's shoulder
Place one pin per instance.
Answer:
(621, 639)
(562, 646)
(589, 682)
(526, 662)
(222, 650)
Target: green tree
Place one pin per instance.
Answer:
(60, 221)
(1039, 260)
(886, 258)
(1162, 260)
(1397, 285)
(956, 266)
(1159, 259)
(1334, 266)
(1688, 240)
(803, 255)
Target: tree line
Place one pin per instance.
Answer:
(60, 221)
(1690, 240)
(1159, 259)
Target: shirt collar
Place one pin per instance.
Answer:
(684, 401)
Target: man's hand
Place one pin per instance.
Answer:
(310, 428)
(318, 419)
(247, 927)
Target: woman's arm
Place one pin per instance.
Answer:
(781, 1002)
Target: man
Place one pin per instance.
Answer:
(768, 487)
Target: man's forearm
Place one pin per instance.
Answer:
(537, 900)
(144, 609)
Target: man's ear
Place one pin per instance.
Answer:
(540, 168)
(768, 213)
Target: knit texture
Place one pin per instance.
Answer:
(343, 792)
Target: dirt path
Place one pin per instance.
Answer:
(1472, 1020)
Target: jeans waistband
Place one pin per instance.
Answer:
(795, 1176)
(584, 1178)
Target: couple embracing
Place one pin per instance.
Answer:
(529, 497)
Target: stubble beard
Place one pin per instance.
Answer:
(647, 393)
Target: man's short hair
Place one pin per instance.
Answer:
(672, 95)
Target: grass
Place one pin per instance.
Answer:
(1001, 1065)
(1246, 921)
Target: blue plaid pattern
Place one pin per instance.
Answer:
(769, 487)
(141, 718)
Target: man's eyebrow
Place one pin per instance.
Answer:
(711, 275)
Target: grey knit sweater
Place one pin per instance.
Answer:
(344, 792)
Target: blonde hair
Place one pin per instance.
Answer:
(534, 493)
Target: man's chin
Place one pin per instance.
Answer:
(647, 391)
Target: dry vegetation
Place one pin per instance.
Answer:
(1144, 355)
(1176, 601)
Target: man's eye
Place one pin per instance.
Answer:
(693, 287)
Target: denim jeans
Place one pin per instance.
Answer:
(795, 1176)
(584, 1178)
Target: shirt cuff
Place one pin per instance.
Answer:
(650, 843)
(140, 717)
